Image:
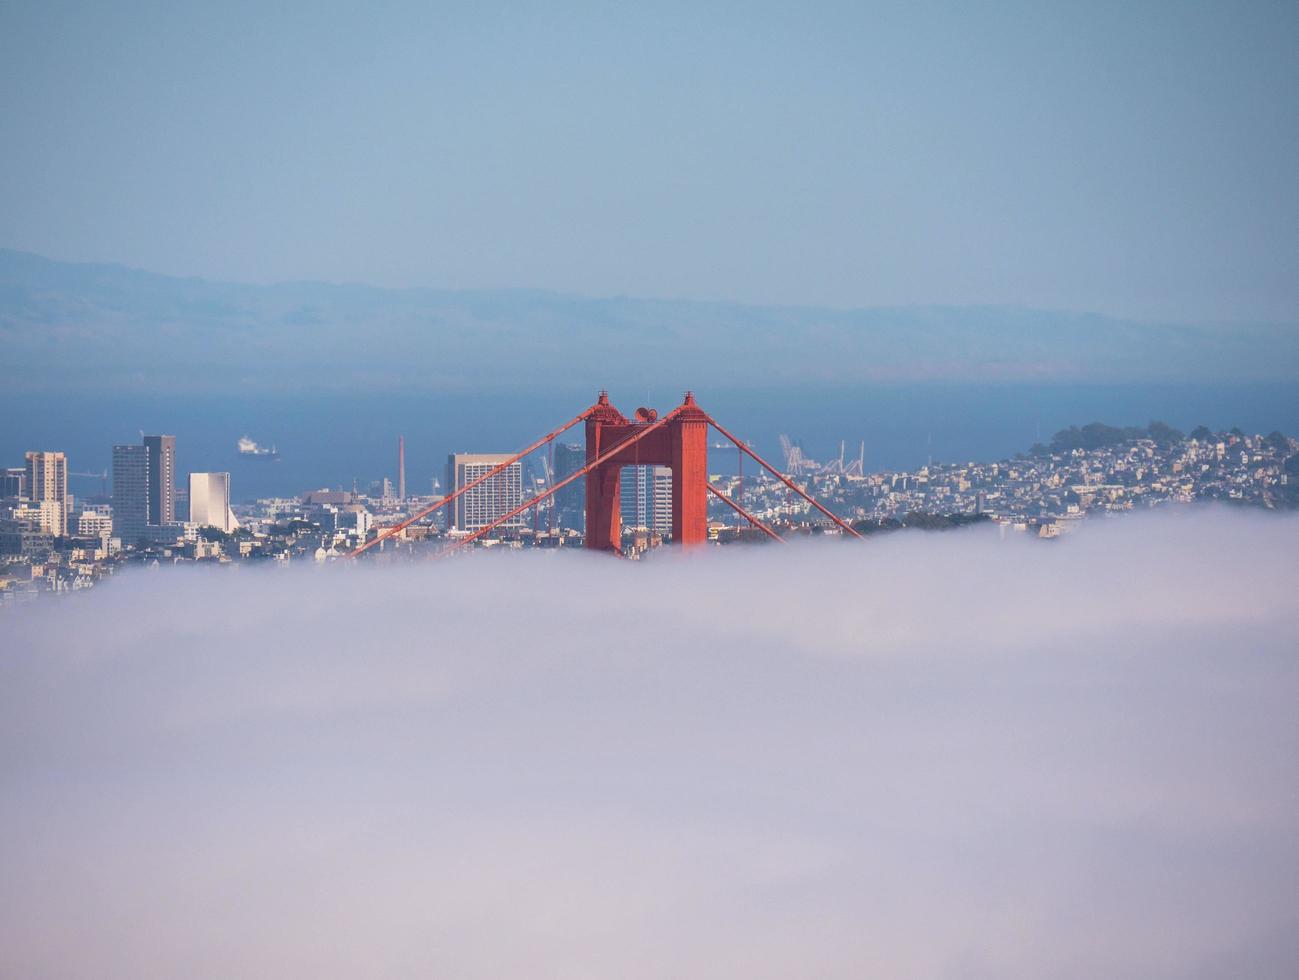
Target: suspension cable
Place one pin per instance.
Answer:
(716, 492)
(495, 470)
(784, 479)
(601, 458)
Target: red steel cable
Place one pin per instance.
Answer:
(500, 468)
(744, 513)
(784, 479)
(602, 458)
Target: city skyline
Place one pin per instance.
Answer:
(1046, 492)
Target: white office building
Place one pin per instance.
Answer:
(96, 522)
(209, 501)
(491, 499)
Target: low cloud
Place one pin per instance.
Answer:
(929, 756)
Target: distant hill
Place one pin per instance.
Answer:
(108, 328)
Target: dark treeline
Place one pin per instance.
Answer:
(917, 520)
(1098, 435)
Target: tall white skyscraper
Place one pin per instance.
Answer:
(491, 499)
(209, 501)
(47, 488)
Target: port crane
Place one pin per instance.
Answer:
(102, 477)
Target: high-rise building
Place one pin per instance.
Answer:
(47, 487)
(13, 483)
(130, 493)
(570, 502)
(646, 502)
(491, 499)
(144, 487)
(162, 478)
(209, 501)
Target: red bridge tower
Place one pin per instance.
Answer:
(679, 441)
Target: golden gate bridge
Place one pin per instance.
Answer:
(677, 440)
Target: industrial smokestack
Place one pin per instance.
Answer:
(401, 467)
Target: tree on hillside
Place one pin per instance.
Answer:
(1093, 435)
(1277, 441)
(1163, 433)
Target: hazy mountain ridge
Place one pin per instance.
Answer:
(105, 327)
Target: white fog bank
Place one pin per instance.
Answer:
(924, 756)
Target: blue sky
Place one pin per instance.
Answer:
(1131, 159)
